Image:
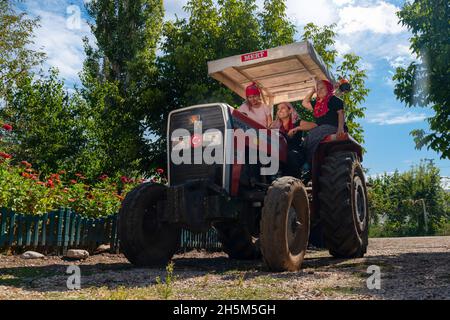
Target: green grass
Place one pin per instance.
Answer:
(339, 290)
(21, 276)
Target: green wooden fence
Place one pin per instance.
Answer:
(57, 231)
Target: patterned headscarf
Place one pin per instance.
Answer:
(278, 124)
(321, 106)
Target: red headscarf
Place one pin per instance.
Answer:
(252, 90)
(321, 106)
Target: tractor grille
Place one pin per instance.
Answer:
(211, 118)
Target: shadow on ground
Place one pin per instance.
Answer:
(403, 276)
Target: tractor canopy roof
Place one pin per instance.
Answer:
(284, 74)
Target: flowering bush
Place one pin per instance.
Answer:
(23, 190)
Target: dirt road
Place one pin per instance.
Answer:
(411, 268)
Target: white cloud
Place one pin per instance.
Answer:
(380, 18)
(60, 37)
(400, 61)
(401, 56)
(320, 12)
(395, 117)
(343, 2)
(388, 79)
(342, 47)
(174, 8)
(367, 66)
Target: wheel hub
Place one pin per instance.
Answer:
(360, 203)
(293, 225)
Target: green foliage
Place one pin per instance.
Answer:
(322, 40)
(23, 189)
(397, 203)
(238, 27)
(349, 68)
(47, 130)
(165, 288)
(16, 58)
(119, 85)
(276, 29)
(426, 82)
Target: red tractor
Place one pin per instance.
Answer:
(256, 215)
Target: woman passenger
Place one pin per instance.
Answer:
(289, 124)
(329, 115)
(254, 108)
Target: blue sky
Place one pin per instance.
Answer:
(368, 28)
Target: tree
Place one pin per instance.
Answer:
(276, 28)
(397, 202)
(323, 39)
(426, 82)
(239, 27)
(16, 58)
(47, 131)
(119, 83)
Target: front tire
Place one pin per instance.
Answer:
(237, 241)
(143, 241)
(343, 205)
(285, 225)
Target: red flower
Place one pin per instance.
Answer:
(65, 190)
(5, 155)
(62, 172)
(26, 164)
(50, 183)
(29, 170)
(40, 183)
(73, 181)
(160, 171)
(124, 179)
(7, 127)
(79, 175)
(103, 177)
(26, 175)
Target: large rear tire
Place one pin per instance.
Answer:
(343, 205)
(144, 241)
(285, 225)
(237, 241)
